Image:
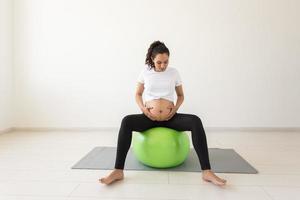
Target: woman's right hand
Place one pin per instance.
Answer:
(146, 111)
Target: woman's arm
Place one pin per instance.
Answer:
(180, 96)
(138, 95)
(139, 101)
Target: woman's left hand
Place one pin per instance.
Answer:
(173, 111)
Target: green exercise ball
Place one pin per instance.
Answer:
(161, 147)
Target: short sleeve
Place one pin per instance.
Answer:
(178, 81)
(141, 77)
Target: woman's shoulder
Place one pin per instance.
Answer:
(145, 68)
(144, 71)
(173, 69)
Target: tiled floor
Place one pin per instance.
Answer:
(36, 166)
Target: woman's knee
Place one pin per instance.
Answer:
(196, 119)
(126, 121)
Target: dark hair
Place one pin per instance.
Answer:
(155, 48)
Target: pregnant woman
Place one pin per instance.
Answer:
(158, 83)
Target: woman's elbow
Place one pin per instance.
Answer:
(181, 96)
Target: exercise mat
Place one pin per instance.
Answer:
(221, 161)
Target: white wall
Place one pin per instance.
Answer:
(6, 121)
(77, 61)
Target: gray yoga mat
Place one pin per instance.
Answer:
(221, 160)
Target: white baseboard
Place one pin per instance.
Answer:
(254, 129)
(66, 129)
(210, 129)
(7, 130)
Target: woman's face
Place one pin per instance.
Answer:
(161, 61)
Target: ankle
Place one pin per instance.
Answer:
(118, 170)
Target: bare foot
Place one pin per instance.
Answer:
(115, 175)
(209, 176)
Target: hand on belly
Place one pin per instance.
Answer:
(159, 108)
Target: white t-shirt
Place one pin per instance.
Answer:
(159, 84)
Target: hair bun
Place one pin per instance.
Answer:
(156, 43)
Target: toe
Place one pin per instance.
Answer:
(223, 181)
(102, 180)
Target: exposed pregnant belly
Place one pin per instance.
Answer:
(159, 108)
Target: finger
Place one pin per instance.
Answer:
(169, 115)
(150, 114)
(151, 117)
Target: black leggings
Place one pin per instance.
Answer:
(179, 122)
